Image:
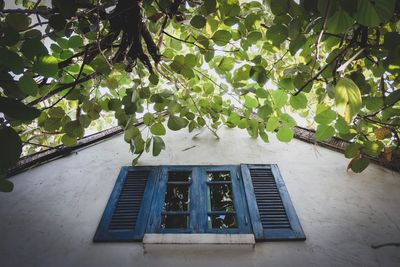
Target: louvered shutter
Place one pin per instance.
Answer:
(125, 217)
(272, 214)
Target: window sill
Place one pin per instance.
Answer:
(187, 239)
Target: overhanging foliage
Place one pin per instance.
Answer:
(78, 65)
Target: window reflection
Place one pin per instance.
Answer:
(175, 212)
(222, 221)
(179, 176)
(169, 221)
(219, 176)
(221, 210)
(221, 197)
(176, 198)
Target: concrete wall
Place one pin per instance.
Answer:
(52, 215)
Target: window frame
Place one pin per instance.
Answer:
(147, 208)
(198, 200)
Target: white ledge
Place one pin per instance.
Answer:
(232, 239)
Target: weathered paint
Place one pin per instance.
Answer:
(52, 215)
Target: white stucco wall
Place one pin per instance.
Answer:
(53, 213)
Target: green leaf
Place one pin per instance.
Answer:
(261, 93)
(74, 129)
(252, 128)
(176, 123)
(299, 101)
(264, 136)
(85, 120)
(221, 37)
(347, 98)
(10, 148)
(46, 66)
(385, 9)
(373, 103)
(391, 41)
(112, 83)
(280, 98)
(56, 112)
(158, 145)
(139, 144)
(6, 185)
(277, 34)
(234, 118)
(272, 124)
(342, 126)
(279, 7)
(210, 6)
(148, 118)
(52, 124)
(250, 101)
(158, 129)
(18, 22)
(130, 133)
(367, 14)
(28, 85)
(32, 48)
(264, 111)
(67, 8)
(190, 61)
(201, 121)
(68, 141)
(11, 61)
(285, 134)
(9, 36)
(339, 22)
(153, 78)
(230, 9)
(16, 110)
(393, 98)
(75, 41)
(242, 123)
(324, 132)
(357, 165)
(99, 64)
(114, 104)
(226, 64)
(136, 160)
(352, 150)
(325, 117)
(254, 36)
(57, 22)
(198, 21)
(287, 120)
(259, 74)
(296, 44)
(372, 149)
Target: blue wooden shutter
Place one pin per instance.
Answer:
(125, 217)
(272, 214)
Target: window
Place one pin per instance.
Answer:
(233, 199)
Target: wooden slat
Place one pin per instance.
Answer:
(268, 199)
(129, 201)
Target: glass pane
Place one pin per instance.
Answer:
(176, 176)
(176, 197)
(174, 221)
(222, 221)
(221, 197)
(223, 176)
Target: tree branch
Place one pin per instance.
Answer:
(195, 44)
(322, 70)
(63, 87)
(28, 11)
(75, 82)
